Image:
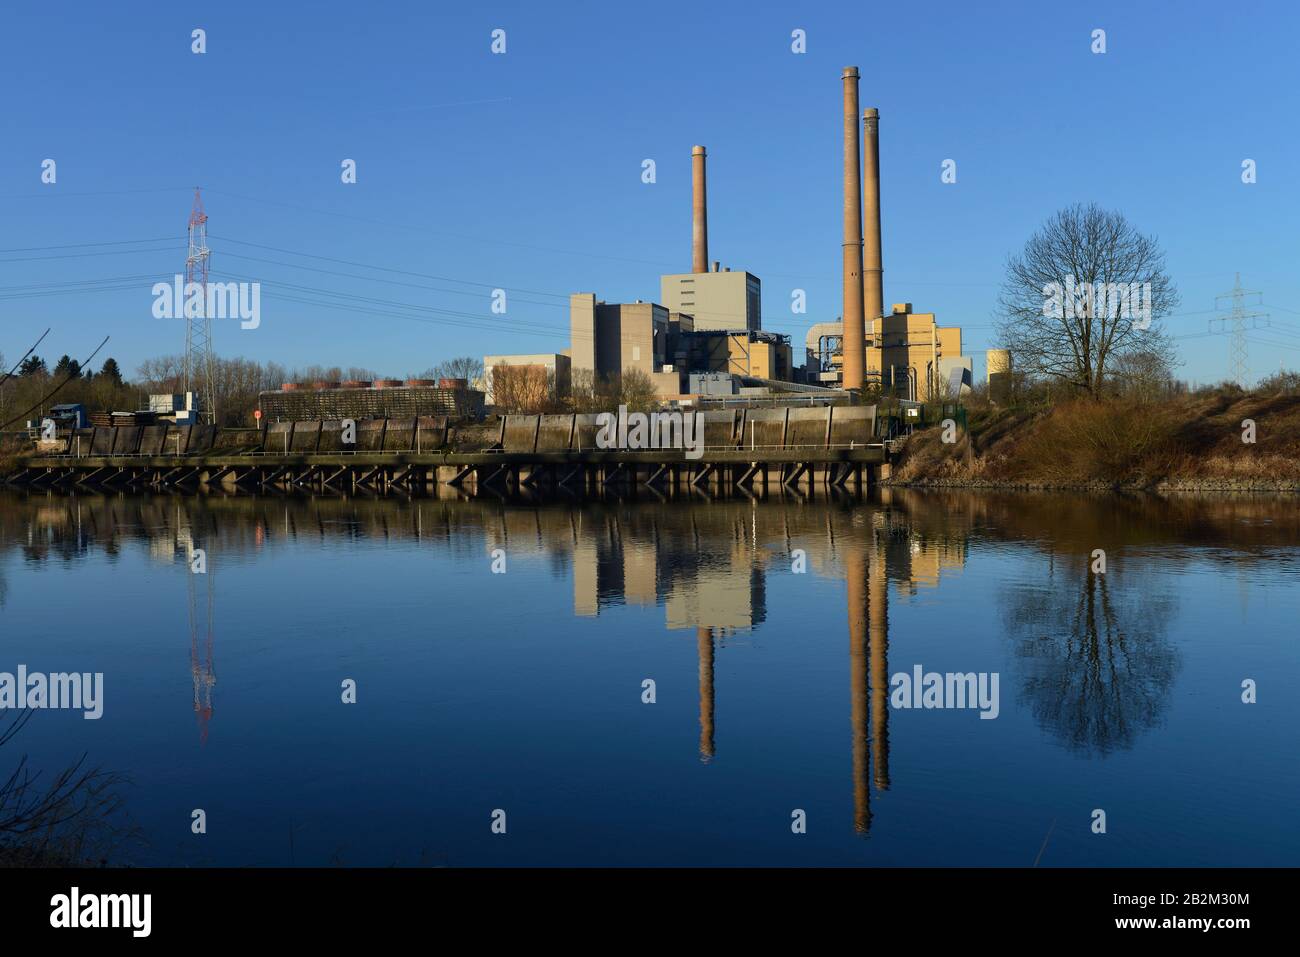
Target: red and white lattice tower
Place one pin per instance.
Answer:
(200, 363)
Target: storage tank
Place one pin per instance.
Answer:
(1000, 378)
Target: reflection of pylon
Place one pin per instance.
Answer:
(1236, 323)
(201, 671)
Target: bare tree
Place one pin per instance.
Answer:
(636, 390)
(1087, 289)
(462, 367)
(527, 389)
(585, 392)
(1142, 375)
(162, 373)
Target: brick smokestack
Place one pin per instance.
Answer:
(873, 273)
(699, 213)
(854, 340)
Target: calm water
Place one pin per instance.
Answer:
(523, 691)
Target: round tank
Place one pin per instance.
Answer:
(999, 360)
(453, 383)
(357, 384)
(421, 383)
(387, 384)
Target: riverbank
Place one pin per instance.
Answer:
(1219, 441)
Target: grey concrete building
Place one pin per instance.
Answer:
(721, 300)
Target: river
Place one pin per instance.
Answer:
(665, 683)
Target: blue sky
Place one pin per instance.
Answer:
(523, 170)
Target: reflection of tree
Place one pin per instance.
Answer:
(65, 822)
(1105, 681)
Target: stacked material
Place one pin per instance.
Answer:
(109, 419)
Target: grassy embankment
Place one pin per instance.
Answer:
(1189, 442)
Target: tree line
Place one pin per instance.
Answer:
(236, 384)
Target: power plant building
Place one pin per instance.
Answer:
(708, 322)
(902, 352)
(719, 301)
(907, 354)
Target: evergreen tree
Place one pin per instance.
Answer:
(111, 372)
(32, 365)
(68, 367)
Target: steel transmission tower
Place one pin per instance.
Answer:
(1236, 323)
(200, 365)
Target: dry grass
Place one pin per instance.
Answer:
(1187, 442)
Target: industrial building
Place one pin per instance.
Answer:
(378, 399)
(719, 301)
(907, 354)
(902, 352)
(1001, 380)
(709, 321)
(609, 339)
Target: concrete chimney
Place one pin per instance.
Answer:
(699, 213)
(854, 340)
(873, 273)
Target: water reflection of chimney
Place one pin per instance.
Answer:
(704, 639)
(878, 626)
(855, 567)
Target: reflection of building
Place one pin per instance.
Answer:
(926, 560)
(614, 565)
(721, 588)
(730, 596)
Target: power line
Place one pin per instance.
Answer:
(106, 252)
(9, 374)
(55, 390)
(424, 230)
(403, 272)
(119, 242)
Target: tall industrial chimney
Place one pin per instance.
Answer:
(873, 272)
(854, 339)
(699, 213)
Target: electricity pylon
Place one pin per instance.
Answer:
(1236, 323)
(200, 364)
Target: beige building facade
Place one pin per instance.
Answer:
(609, 338)
(908, 354)
(721, 300)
